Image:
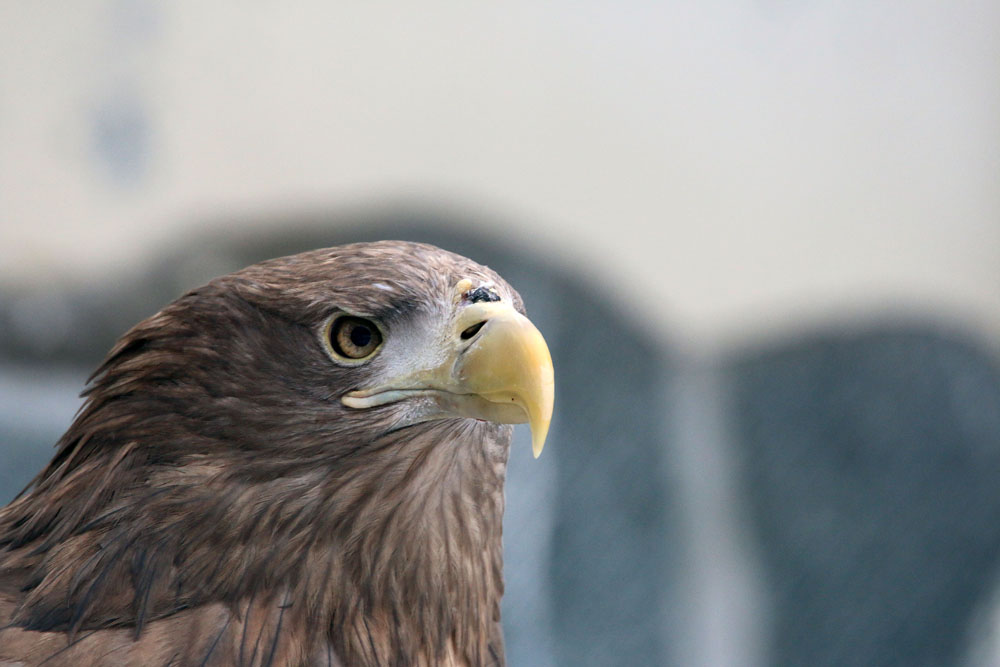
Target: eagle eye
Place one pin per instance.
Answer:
(353, 338)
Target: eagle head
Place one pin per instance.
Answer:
(311, 449)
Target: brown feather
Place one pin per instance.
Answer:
(214, 503)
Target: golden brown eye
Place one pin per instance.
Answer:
(354, 338)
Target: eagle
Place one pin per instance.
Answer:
(299, 463)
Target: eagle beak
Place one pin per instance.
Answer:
(508, 364)
(496, 367)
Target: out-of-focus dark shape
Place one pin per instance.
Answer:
(871, 466)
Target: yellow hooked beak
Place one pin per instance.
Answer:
(496, 367)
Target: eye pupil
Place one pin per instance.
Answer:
(353, 338)
(361, 335)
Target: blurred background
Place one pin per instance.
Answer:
(762, 239)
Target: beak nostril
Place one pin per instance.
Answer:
(473, 330)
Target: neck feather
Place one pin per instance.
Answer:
(419, 543)
(397, 556)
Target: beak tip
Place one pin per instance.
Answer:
(538, 437)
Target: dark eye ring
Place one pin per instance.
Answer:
(353, 338)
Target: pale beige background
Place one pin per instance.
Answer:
(758, 166)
